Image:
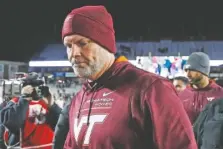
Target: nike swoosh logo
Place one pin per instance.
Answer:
(210, 98)
(106, 94)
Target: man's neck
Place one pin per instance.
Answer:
(103, 70)
(203, 83)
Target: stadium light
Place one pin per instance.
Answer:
(49, 64)
(68, 64)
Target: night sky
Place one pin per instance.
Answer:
(26, 26)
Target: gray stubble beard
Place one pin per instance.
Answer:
(89, 71)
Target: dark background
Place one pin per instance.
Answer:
(27, 26)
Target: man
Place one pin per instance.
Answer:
(202, 90)
(120, 106)
(180, 83)
(30, 120)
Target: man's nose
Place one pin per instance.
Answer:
(74, 51)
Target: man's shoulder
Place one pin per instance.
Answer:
(215, 91)
(147, 82)
(152, 79)
(144, 76)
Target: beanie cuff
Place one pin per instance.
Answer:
(197, 71)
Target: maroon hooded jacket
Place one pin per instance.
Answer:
(194, 100)
(128, 108)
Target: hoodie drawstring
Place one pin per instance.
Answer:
(91, 103)
(82, 100)
(90, 107)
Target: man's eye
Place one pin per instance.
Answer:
(82, 43)
(68, 45)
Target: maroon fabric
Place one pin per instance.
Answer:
(194, 100)
(93, 22)
(128, 108)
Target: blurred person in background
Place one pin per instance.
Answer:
(2, 128)
(202, 89)
(180, 83)
(120, 106)
(30, 120)
(139, 64)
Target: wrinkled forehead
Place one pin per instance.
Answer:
(73, 38)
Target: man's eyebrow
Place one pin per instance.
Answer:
(79, 40)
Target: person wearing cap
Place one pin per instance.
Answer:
(119, 106)
(202, 89)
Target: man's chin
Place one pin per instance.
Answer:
(192, 82)
(82, 72)
(80, 66)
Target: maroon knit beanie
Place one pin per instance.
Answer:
(93, 22)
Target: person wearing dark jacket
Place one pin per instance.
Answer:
(2, 128)
(120, 106)
(62, 128)
(208, 128)
(30, 120)
(201, 90)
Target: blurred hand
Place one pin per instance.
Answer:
(48, 99)
(27, 91)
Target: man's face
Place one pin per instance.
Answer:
(194, 77)
(179, 85)
(87, 58)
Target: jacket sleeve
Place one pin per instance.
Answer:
(13, 115)
(171, 126)
(198, 126)
(53, 116)
(2, 130)
(2, 143)
(62, 128)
